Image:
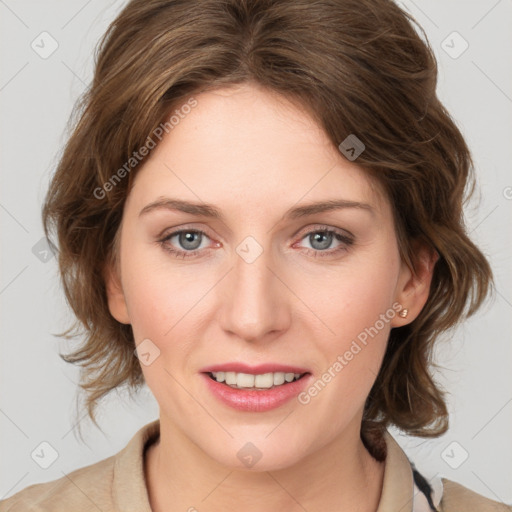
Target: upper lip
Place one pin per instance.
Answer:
(254, 370)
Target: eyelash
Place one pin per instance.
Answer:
(341, 237)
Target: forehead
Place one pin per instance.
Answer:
(253, 147)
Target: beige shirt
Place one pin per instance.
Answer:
(117, 484)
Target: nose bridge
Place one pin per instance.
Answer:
(254, 300)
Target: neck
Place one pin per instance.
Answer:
(180, 476)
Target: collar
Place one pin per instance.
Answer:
(398, 485)
(130, 492)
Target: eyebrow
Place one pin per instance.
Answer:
(211, 211)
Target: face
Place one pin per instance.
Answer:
(257, 289)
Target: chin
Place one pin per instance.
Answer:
(255, 453)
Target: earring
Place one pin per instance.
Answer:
(403, 313)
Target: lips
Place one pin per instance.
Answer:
(254, 370)
(242, 397)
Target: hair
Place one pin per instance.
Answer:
(357, 67)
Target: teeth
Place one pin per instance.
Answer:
(279, 378)
(262, 381)
(245, 380)
(230, 378)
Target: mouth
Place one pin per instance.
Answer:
(259, 388)
(255, 388)
(255, 382)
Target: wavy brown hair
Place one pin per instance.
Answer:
(357, 67)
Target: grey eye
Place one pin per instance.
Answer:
(320, 240)
(189, 239)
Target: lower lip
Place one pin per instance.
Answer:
(255, 401)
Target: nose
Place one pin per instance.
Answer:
(255, 301)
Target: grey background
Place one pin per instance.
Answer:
(38, 389)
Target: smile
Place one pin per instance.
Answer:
(260, 381)
(255, 392)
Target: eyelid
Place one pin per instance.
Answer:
(323, 227)
(186, 227)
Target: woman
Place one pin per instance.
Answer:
(262, 201)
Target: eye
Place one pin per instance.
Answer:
(321, 239)
(189, 239)
(189, 242)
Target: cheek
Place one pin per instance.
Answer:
(158, 291)
(350, 359)
(352, 298)
(356, 304)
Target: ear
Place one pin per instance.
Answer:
(413, 287)
(115, 295)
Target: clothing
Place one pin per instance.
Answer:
(117, 484)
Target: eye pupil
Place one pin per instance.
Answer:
(317, 237)
(186, 239)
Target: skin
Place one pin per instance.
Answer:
(254, 155)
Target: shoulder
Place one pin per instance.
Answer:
(112, 484)
(85, 489)
(457, 498)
